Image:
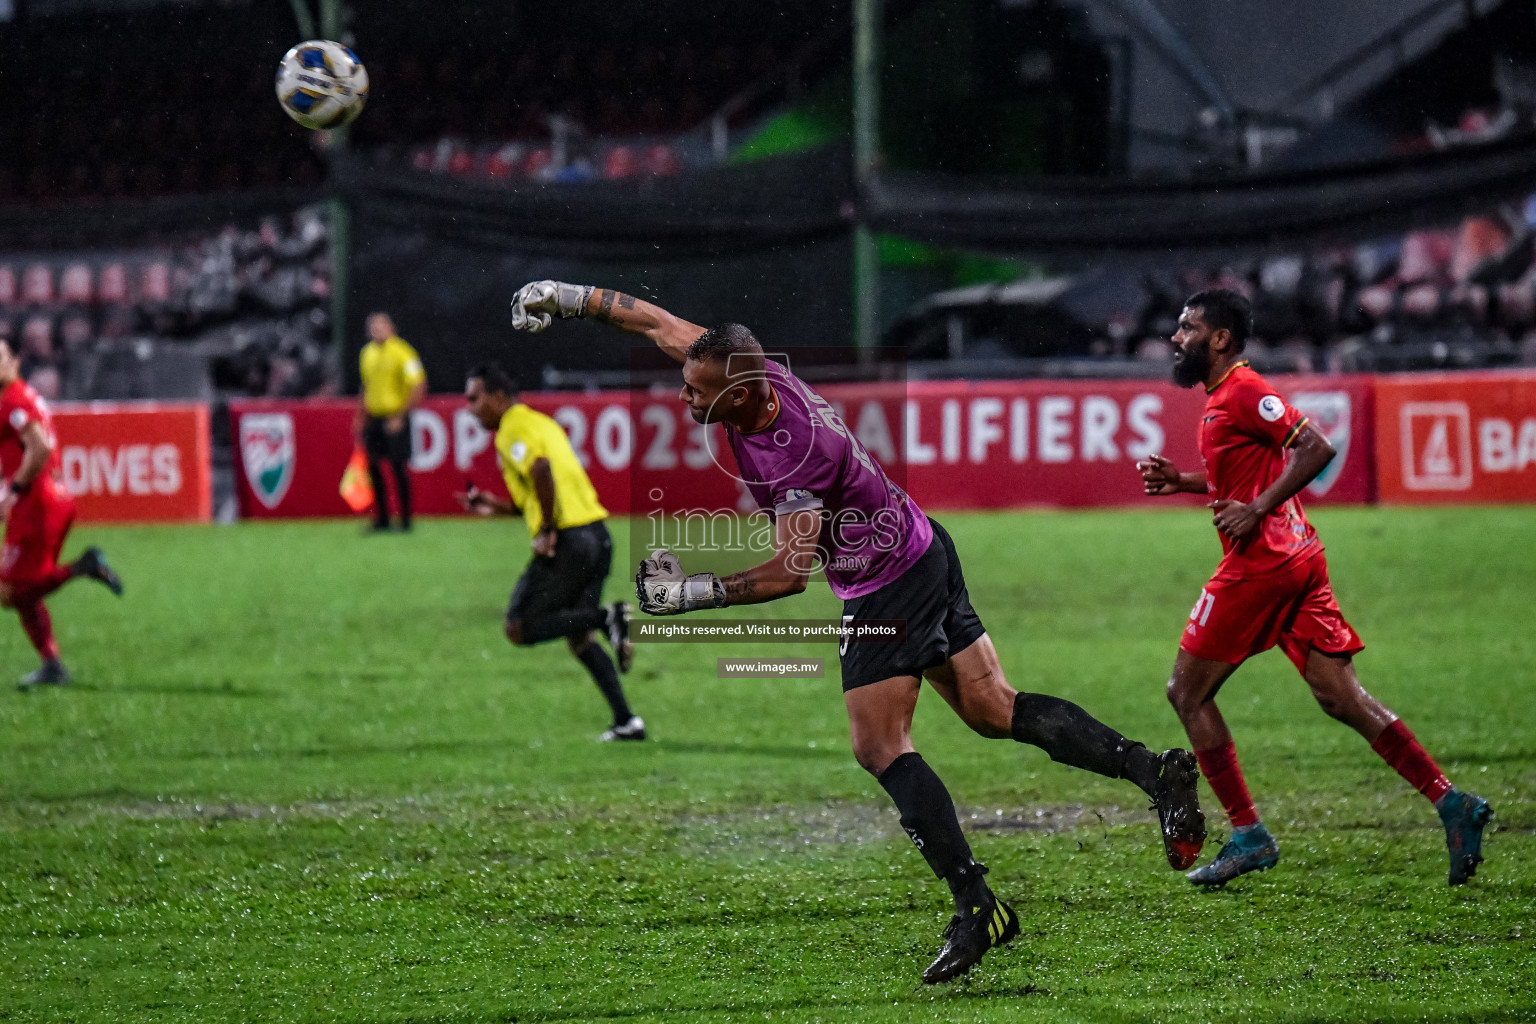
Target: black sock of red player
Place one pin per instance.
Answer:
(600, 666)
(1072, 736)
(928, 814)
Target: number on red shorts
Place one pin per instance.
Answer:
(1202, 609)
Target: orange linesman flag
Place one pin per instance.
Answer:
(356, 488)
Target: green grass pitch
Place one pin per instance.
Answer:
(302, 777)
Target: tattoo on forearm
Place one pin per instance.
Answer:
(604, 312)
(605, 307)
(738, 587)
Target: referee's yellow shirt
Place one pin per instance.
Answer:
(390, 369)
(525, 436)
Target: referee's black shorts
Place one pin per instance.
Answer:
(572, 579)
(379, 443)
(932, 600)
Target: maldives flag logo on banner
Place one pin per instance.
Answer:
(268, 451)
(1329, 412)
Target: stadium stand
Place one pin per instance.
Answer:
(243, 309)
(1462, 297)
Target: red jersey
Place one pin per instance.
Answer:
(19, 406)
(1243, 437)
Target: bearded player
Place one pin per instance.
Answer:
(833, 506)
(38, 513)
(1272, 588)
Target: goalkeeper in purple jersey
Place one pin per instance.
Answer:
(833, 508)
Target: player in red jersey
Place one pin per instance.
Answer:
(1272, 588)
(38, 513)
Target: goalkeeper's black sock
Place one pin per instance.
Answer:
(1073, 736)
(568, 622)
(928, 815)
(968, 886)
(606, 677)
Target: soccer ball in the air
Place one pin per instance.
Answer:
(322, 84)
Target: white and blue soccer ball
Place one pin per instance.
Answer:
(322, 84)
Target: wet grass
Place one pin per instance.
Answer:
(301, 777)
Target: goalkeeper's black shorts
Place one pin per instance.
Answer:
(931, 599)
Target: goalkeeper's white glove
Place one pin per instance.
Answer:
(538, 302)
(663, 589)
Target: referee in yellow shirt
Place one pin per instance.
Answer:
(560, 593)
(393, 384)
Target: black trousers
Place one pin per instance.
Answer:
(383, 446)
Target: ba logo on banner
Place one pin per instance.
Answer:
(1437, 446)
(268, 451)
(1330, 414)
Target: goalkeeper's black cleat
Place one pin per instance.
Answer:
(616, 625)
(969, 935)
(51, 673)
(93, 565)
(1178, 808)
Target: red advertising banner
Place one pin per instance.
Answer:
(1457, 437)
(952, 444)
(1002, 444)
(136, 462)
(290, 456)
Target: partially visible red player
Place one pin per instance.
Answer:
(38, 513)
(1272, 588)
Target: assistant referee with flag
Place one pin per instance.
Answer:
(394, 383)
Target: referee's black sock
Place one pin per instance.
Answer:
(403, 490)
(539, 628)
(380, 495)
(606, 677)
(1073, 736)
(928, 815)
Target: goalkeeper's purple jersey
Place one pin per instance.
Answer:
(871, 531)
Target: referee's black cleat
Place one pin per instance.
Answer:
(1178, 807)
(616, 624)
(93, 565)
(969, 935)
(51, 673)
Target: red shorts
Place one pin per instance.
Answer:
(35, 532)
(1235, 619)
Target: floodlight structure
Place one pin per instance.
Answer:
(335, 22)
(867, 23)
